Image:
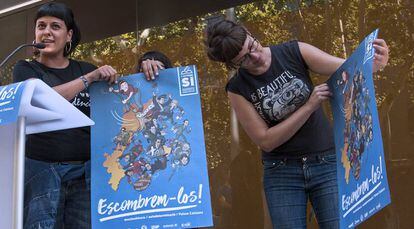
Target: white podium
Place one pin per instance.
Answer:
(26, 108)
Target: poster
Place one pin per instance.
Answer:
(10, 99)
(10, 96)
(41, 109)
(149, 166)
(362, 177)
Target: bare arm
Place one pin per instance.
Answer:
(70, 89)
(319, 61)
(322, 63)
(270, 138)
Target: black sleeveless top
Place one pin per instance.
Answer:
(279, 92)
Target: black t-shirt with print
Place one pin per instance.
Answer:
(279, 92)
(63, 145)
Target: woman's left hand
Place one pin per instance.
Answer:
(381, 54)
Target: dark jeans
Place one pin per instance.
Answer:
(57, 195)
(289, 183)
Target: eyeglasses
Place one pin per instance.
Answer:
(254, 45)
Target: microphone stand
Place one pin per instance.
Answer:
(14, 52)
(36, 45)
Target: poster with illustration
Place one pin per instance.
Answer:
(362, 177)
(149, 167)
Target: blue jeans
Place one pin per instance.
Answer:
(57, 195)
(289, 183)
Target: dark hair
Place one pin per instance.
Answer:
(121, 82)
(156, 56)
(224, 40)
(61, 11)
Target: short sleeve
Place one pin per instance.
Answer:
(86, 67)
(23, 71)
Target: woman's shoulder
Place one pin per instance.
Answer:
(234, 79)
(285, 46)
(86, 66)
(23, 70)
(233, 83)
(22, 63)
(289, 53)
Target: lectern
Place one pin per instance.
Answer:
(27, 107)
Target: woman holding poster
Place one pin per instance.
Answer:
(280, 109)
(57, 170)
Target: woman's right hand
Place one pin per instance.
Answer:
(103, 73)
(319, 94)
(150, 68)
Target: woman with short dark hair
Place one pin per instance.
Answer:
(57, 166)
(279, 108)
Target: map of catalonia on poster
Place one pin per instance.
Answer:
(362, 177)
(149, 166)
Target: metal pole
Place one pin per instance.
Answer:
(18, 173)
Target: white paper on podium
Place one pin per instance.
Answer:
(45, 110)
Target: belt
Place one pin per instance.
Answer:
(317, 157)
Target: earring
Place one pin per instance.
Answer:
(68, 47)
(34, 42)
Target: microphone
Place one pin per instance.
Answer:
(39, 45)
(36, 45)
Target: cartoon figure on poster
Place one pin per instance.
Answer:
(156, 142)
(129, 95)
